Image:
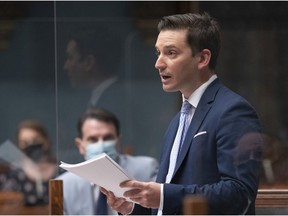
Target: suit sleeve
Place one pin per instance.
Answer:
(139, 210)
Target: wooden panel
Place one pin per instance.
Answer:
(272, 198)
(195, 205)
(266, 198)
(12, 203)
(56, 197)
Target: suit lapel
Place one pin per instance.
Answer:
(166, 150)
(201, 111)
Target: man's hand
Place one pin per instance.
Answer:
(118, 204)
(147, 194)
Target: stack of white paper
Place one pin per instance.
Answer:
(101, 170)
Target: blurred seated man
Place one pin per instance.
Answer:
(37, 164)
(98, 132)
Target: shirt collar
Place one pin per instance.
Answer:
(195, 97)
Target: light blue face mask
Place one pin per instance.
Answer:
(107, 146)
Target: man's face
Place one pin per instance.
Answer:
(177, 67)
(75, 66)
(93, 131)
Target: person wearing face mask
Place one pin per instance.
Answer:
(98, 132)
(32, 163)
(102, 146)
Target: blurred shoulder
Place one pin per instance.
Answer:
(142, 168)
(141, 160)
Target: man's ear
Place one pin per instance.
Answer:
(89, 62)
(78, 143)
(204, 58)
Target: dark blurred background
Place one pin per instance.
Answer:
(33, 39)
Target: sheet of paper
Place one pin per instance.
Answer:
(101, 170)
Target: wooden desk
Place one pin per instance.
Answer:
(272, 198)
(272, 202)
(11, 203)
(25, 210)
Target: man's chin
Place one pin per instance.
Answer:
(167, 89)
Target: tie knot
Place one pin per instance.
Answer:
(186, 107)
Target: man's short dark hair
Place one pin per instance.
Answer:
(99, 114)
(203, 32)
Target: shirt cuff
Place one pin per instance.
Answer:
(161, 197)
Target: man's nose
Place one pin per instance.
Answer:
(159, 64)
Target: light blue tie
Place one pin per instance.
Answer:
(180, 136)
(184, 121)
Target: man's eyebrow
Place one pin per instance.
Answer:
(167, 47)
(108, 135)
(92, 138)
(170, 46)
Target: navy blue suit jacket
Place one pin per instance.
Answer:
(220, 157)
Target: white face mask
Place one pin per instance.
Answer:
(94, 149)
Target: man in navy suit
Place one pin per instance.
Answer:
(220, 156)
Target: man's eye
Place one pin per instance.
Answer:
(172, 53)
(93, 140)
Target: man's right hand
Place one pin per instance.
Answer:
(118, 204)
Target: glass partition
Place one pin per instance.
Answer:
(28, 111)
(48, 83)
(122, 79)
